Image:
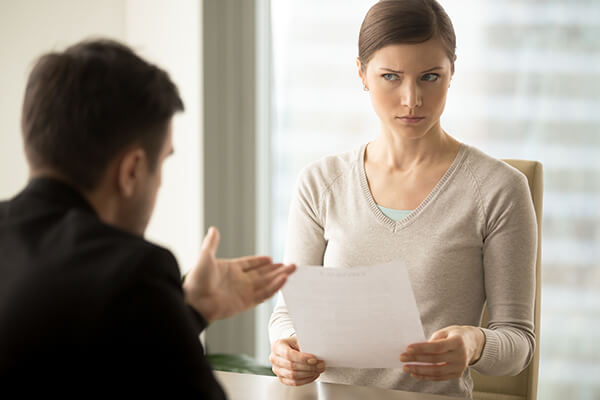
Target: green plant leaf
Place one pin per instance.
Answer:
(238, 363)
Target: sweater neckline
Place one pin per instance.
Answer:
(384, 219)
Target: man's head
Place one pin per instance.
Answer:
(97, 115)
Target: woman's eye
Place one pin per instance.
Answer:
(430, 77)
(390, 77)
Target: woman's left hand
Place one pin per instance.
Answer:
(450, 351)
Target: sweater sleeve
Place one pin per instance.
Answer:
(509, 257)
(305, 244)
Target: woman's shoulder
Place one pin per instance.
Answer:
(322, 173)
(491, 172)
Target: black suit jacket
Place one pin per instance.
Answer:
(87, 309)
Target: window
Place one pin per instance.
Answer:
(527, 85)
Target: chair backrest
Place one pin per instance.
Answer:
(524, 385)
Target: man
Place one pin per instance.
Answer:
(87, 306)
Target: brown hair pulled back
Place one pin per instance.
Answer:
(404, 21)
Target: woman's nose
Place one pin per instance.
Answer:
(410, 95)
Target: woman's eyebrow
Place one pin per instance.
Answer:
(431, 69)
(401, 72)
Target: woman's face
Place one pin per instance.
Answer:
(408, 85)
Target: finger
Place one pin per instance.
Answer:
(289, 365)
(293, 374)
(435, 347)
(264, 270)
(434, 370)
(211, 241)
(261, 295)
(249, 263)
(283, 349)
(291, 382)
(267, 286)
(266, 292)
(441, 334)
(429, 358)
(264, 275)
(293, 342)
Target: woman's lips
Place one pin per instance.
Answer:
(411, 119)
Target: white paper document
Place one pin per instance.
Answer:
(361, 317)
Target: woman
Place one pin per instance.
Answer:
(463, 221)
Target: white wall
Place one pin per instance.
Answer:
(166, 32)
(27, 29)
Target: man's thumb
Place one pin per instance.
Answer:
(211, 241)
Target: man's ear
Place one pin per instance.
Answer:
(131, 170)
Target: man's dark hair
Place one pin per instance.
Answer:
(85, 105)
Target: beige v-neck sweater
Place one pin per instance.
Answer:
(472, 239)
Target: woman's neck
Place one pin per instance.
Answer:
(402, 154)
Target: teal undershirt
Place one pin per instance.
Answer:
(395, 215)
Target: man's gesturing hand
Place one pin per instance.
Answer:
(220, 288)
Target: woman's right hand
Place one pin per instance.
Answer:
(291, 366)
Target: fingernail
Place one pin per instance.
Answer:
(410, 350)
(404, 357)
(406, 369)
(312, 361)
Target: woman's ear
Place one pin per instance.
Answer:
(131, 170)
(361, 73)
(453, 63)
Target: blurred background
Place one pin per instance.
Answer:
(271, 86)
(165, 32)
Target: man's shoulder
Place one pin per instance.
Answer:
(76, 244)
(128, 253)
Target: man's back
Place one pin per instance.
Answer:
(88, 307)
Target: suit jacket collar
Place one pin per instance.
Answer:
(58, 192)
